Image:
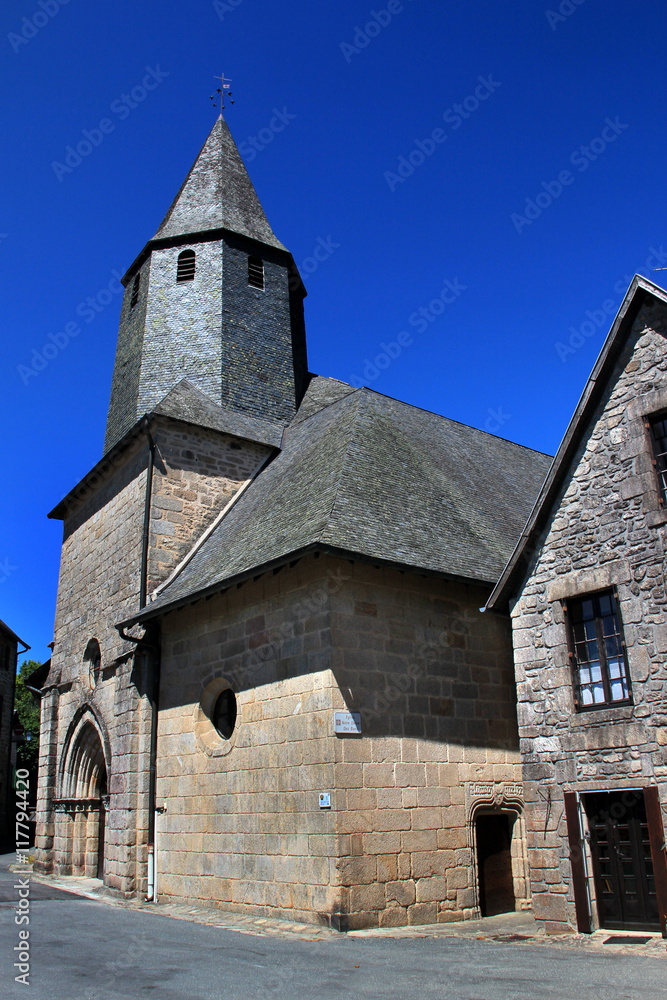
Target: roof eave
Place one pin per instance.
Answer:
(204, 236)
(516, 566)
(5, 628)
(150, 613)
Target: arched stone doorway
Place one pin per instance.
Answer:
(82, 805)
(493, 833)
(497, 838)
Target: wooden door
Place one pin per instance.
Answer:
(622, 861)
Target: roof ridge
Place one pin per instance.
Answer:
(581, 419)
(452, 420)
(343, 460)
(334, 402)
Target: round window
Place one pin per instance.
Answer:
(224, 713)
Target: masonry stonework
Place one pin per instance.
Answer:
(196, 473)
(242, 826)
(608, 529)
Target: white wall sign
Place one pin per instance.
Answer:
(347, 722)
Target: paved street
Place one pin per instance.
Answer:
(82, 949)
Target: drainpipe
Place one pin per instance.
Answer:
(151, 894)
(145, 537)
(149, 643)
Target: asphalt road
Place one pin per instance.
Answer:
(85, 950)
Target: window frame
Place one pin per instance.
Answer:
(224, 713)
(255, 267)
(186, 266)
(650, 420)
(609, 702)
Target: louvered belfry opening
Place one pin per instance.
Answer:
(135, 290)
(256, 272)
(187, 264)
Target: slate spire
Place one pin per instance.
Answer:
(214, 298)
(218, 194)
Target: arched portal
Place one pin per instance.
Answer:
(497, 838)
(83, 801)
(493, 830)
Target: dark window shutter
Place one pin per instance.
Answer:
(656, 834)
(579, 883)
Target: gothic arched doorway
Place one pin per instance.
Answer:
(82, 805)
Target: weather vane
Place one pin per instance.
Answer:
(222, 93)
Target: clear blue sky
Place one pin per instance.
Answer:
(359, 95)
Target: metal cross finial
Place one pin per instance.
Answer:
(221, 93)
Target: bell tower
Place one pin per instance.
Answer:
(214, 297)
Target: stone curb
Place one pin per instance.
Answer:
(514, 928)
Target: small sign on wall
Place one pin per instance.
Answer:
(347, 722)
(325, 800)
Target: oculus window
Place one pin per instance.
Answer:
(223, 716)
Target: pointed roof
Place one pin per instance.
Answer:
(218, 194)
(367, 475)
(517, 565)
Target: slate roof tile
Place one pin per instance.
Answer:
(372, 476)
(218, 194)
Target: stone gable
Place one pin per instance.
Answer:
(607, 530)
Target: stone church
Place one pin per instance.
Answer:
(273, 688)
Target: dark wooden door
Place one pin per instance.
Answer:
(494, 863)
(622, 863)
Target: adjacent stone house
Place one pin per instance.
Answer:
(272, 688)
(587, 593)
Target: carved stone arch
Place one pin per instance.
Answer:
(82, 803)
(86, 748)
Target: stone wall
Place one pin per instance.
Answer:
(608, 529)
(195, 475)
(432, 679)
(197, 472)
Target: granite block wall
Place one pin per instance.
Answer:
(432, 679)
(608, 529)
